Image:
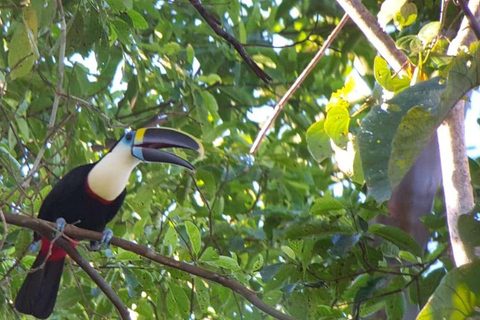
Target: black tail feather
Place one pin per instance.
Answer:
(38, 293)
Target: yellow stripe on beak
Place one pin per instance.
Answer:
(139, 134)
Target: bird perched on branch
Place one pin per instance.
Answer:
(90, 196)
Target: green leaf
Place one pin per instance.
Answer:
(336, 125)
(23, 126)
(194, 236)
(406, 16)
(117, 5)
(242, 33)
(181, 299)
(326, 205)
(209, 255)
(171, 238)
(211, 103)
(227, 263)
(171, 49)
(190, 53)
(138, 20)
(257, 262)
(315, 228)
(429, 32)
(413, 133)
(122, 30)
(384, 76)
(21, 56)
(457, 296)
(288, 251)
(127, 255)
(318, 141)
(6, 154)
(395, 306)
(24, 239)
(397, 236)
(202, 294)
(378, 139)
(388, 10)
(209, 79)
(379, 129)
(404, 43)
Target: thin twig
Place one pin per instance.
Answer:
(5, 229)
(217, 27)
(43, 227)
(296, 84)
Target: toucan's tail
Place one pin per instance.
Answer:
(38, 293)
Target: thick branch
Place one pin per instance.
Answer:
(47, 229)
(78, 233)
(457, 184)
(375, 35)
(217, 27)
(472, 21)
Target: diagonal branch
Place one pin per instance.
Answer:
(101, 283)
(296, 85)
(379, 39)
(44, 227)
(472, 21)
(217, 27)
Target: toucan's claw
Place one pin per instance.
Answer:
(61, 224)
(107, 236)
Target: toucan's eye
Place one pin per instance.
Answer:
(129, 136)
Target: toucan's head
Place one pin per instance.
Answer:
(146, 142)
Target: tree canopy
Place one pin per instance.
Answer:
(294, 222)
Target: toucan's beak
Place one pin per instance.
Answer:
(148, 140)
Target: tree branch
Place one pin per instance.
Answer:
(56, 100)
(217, 27)
(77, 257)
(44, 227)
(296, 85)
(472, 21)
(457, 186)
(61, 63)
(375, 35)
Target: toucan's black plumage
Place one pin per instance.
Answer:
(90, 196)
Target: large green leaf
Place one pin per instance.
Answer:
(397, 236)
(395, 133)
(457, 296)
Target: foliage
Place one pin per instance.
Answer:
(294, 222)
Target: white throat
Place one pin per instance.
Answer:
(110, 175)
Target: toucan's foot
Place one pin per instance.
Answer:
(61, 224)
(107, 236)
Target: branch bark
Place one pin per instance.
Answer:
(43, 226)
(457, 184)
(375, 35)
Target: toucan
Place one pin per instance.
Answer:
(89, 196)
